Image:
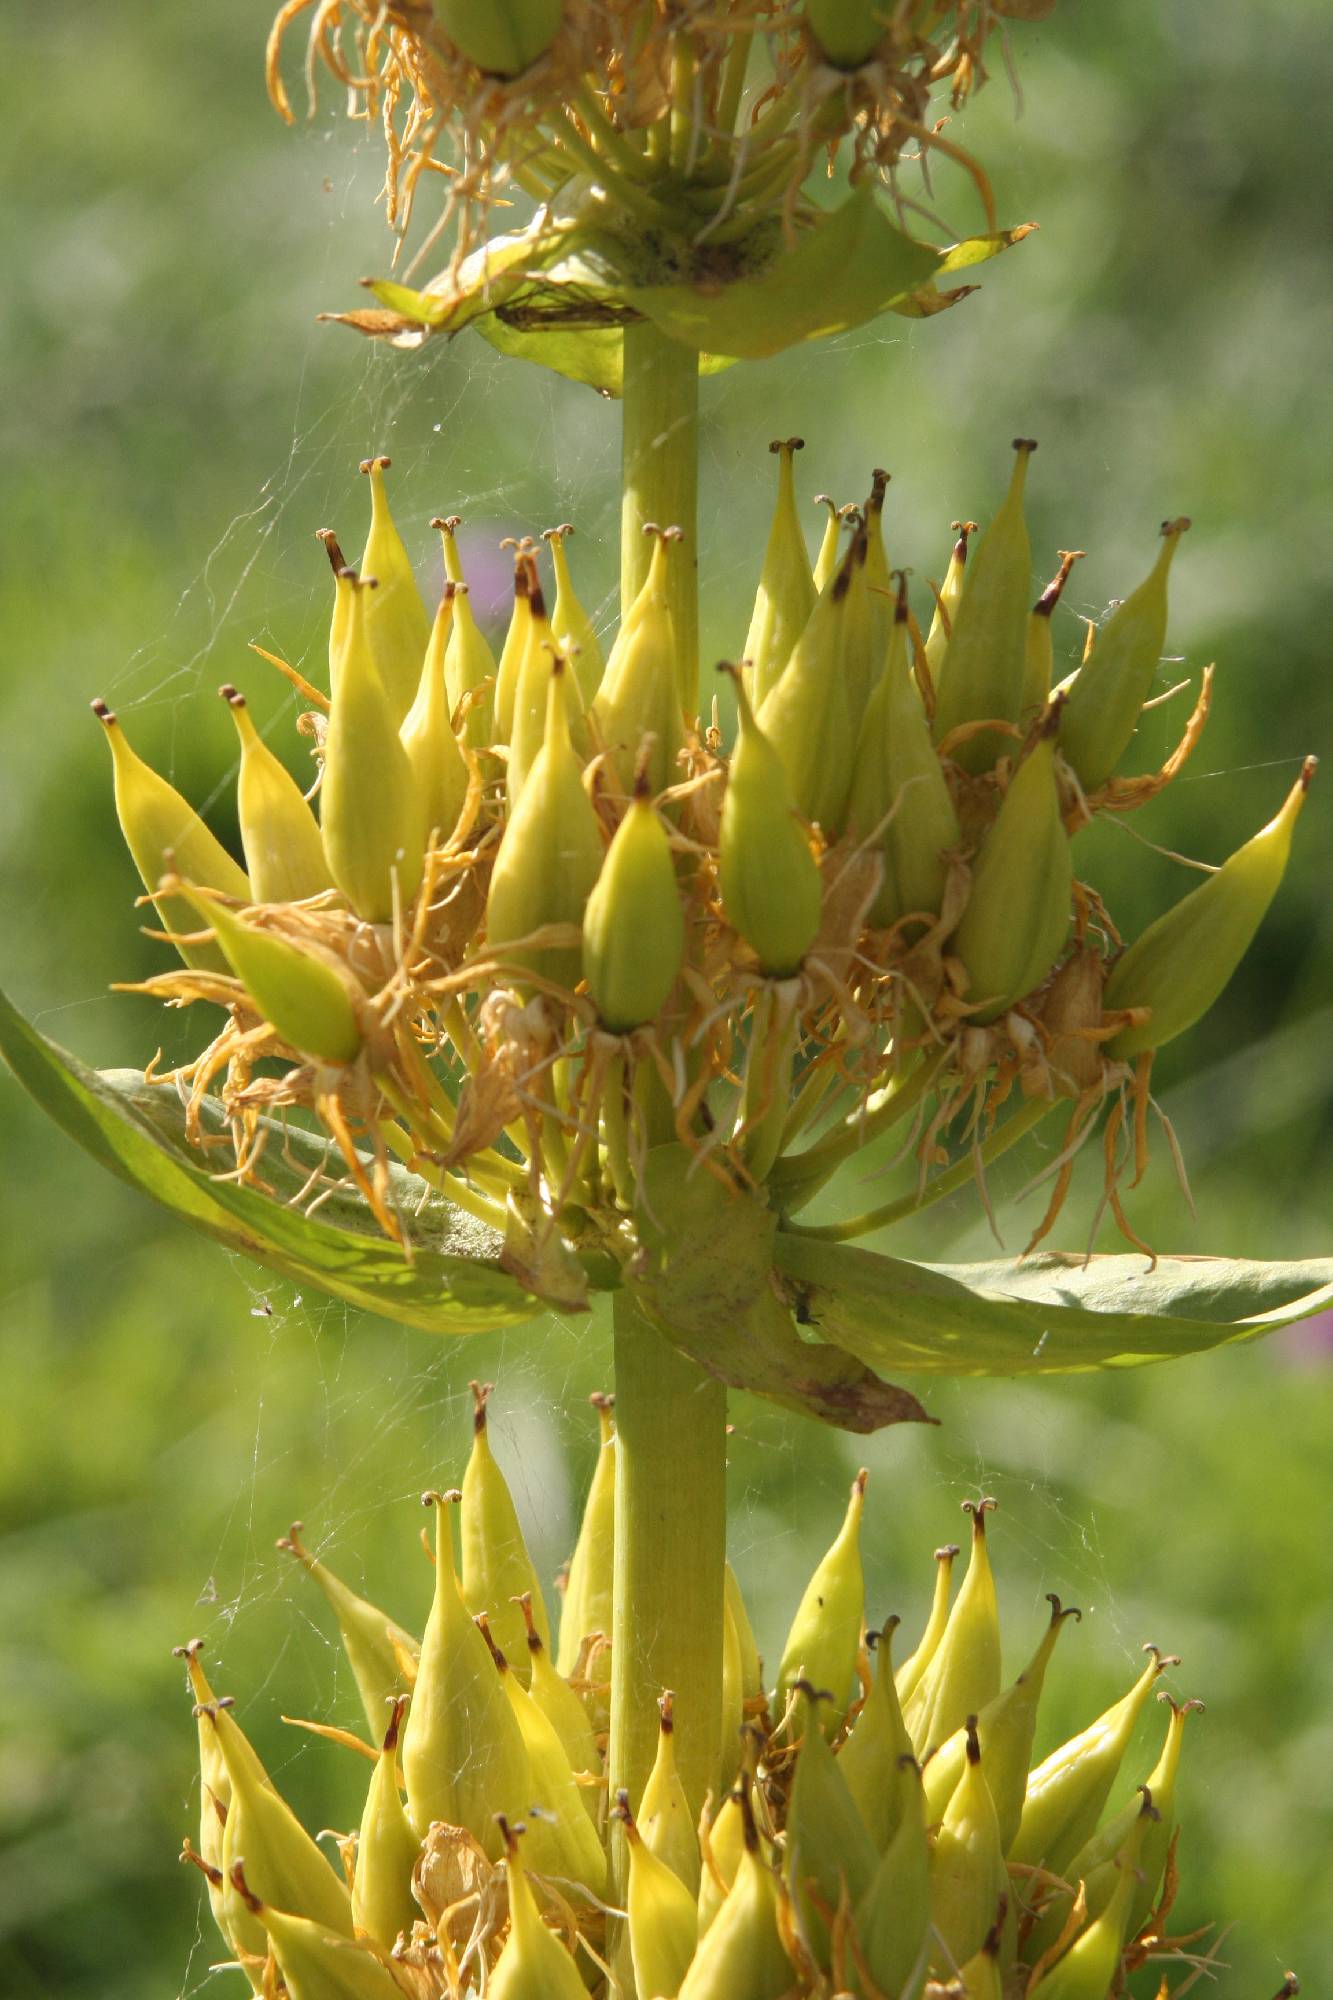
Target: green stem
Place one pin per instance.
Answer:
(670, 1556)
(660, 481)
(798, 1177)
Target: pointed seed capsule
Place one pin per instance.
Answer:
(284, 854)
(528, 728)
(638, 697)
(808, 714)
(306, 996)
(515, 643)
(497, 1569)
(386, 1850)
(1017, 915)
(563, 1710)
(397, 622)
(740, 1956)
(827, 559)
(587, 1602)
(427, 733)
(1107, 694)
(893, 1917)
(872, 1758)
(502, 37)
(214, 1784)
(663, 1919)
(822, 1644)
(263, 1831)
(1088, 1970)
(965, 1672)
(767, 875)
(967, 1870)
(946, 607)
(374, 1643)
(1038, 660)
(164, 832)
(534, 1965)
(573, 629)
(752, 1679)
(634, 926)
(1181, 963)
(316, 1962)
(469, 661)
(726, 1845)
(908, 1676)
(786, 594)
(342, 602)
(666, 1824)
(830, 1854)
(982, 679)
(733, 1702)
(845, 32)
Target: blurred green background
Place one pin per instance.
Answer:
(174, 428)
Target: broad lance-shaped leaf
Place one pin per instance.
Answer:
(452, 1282)
(1049, 1314)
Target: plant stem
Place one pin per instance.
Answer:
(670, 1555)
(660, 481)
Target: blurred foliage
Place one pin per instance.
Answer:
(174, 428)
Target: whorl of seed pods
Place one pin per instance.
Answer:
(544, 909)
(868, 1832)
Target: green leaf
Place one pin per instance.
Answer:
(453, 1282)
(707, 1284)
(1048, 1314)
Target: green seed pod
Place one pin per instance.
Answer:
(1038, 661)
(1017, 916)
(964, 1673)
(807, 714)
(214, 1784)
(343, 591)
(1182, 962)
(666, 1823)
(874, 1759)
(637, 698)
(316, 1961)
(375, 1645)
(386, 1850)
(663, 1920)
(867, 619)
(967, 1871)
(1088, 1969)
(550, 854)
(397, 621)
(497, 1569)
(502, 37)
(463, 1755)
(534, 1965)
(1066, 1793)
(740, 1956)
(893, 1917)
(587, 1602)
(573, 629)
(946, 608)
(880, 587)
(372, 818)
(828, 557)
(982, 676)
(306, 996)
(1005, 1728)
(562, 1840)
(634, 926)
(830, 1854)
(1110, 688)
(900, 800)
(767, 875)
(516, 642)
(284, 853)
(908, 1677)
(981, 1977)
(469, 661)
(563, 1710)
(528, 727)
(786, 594)
(825, 1634)
(164, 833)
(726, 1845)
(262, 1830)
(427, 733)
(846, 33)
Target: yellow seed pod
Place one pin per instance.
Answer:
(587, 1602)
(1038, 660)
(469, 662)
(534, 1965)
(964, 1673)
(214, 1784)
(830, 1855)
(663, 1919)
(530, 697)
(828, 558)
(946, 606)
(867, 620)
(562, 1840)
(165, 834)
(1088, 1970)
(343, 590)
(1182, 962)
(573, 629)
(550, 854)
(740, 1956)
(1017, 916)
(375, 1645)
(634, 926)
(284, 1864)
(807, 715)
(463, 1756)
(374, 836)
(880, 586)
(892, 1920)
(637, 700)
(908, 1677)
(752, 1679)
(315, 1961)
(982, 676)
(304, 994)
(786, 594)
(563, 1710)
(733, 1702)
(386, 1850)
(822, 1644)
(284, 854)
(900, 800)
(515, 643)
(1066, 1793)
(767, 875)
(1107, 694)
(726, 1845)
(497, 1569)
(427, 733)
(967, 1871)
(397, 621)
(875, 1757)
(665, 1821)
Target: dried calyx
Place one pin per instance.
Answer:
(547, 919)
(868, 1829)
